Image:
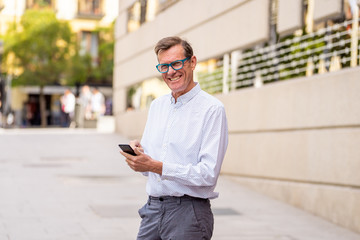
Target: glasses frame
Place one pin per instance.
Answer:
(171, 65)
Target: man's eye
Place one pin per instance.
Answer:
(163, 67)
(176, 64)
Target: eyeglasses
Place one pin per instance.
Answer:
(176, 65)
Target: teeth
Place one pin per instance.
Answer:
(174, 79)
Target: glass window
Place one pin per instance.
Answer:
(1, 4)
(137, 15)
(145, 10)
(39, 3)
(89, 7)
(134, 17)
(89, 44)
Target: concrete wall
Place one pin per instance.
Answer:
(298, 141)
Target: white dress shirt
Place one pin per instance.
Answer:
(68, 100)
(190, 137)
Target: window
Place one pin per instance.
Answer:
(89, 44)
(39, 3)
(1, 5)
(136, 15)
(90, 8)
(145, 10)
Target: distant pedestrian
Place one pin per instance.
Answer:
(84, 103)
(68, 107)
(97, 104)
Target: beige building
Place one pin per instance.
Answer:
(84, 17)
(295, 140)
(82, 14)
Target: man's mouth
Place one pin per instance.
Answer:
(174, 78)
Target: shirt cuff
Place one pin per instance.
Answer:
(168, 171)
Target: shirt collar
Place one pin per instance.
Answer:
(183, 99)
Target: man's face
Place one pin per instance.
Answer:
(179, 81)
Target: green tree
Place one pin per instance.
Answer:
(37, 51)
(79, 69)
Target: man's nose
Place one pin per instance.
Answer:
(171, 70)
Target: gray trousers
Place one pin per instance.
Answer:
(174, 218)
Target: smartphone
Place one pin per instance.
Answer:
(127, 148)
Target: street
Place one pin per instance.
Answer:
(72, 184)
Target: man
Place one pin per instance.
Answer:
(85, 103)
(97, 103)
(181, 151)
(68, 107)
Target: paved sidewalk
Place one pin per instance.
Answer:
(70, 184)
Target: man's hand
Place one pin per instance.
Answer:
(142, 162)
(136, 144)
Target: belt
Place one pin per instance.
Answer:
(174, 198)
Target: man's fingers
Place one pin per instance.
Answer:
(138, 151)
(129, 162)
(135, 143)
(126, 155)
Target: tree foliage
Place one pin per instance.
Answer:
(38, 48)
(78, 69)
(41, 50)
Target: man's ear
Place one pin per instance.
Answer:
(193, 61)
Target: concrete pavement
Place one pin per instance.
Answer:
(71, 184)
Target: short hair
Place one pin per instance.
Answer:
(168, 42)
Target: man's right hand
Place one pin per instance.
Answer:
(142, 162)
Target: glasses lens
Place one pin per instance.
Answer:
(177, 65)
(163, 68)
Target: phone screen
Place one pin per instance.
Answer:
(127, 148)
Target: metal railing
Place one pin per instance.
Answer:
(328, 49)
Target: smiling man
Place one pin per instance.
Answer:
(181, 151)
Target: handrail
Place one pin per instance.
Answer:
(328, 49)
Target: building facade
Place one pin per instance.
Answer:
(295, 140)
(84, 17)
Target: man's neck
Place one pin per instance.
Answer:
(177, 95)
